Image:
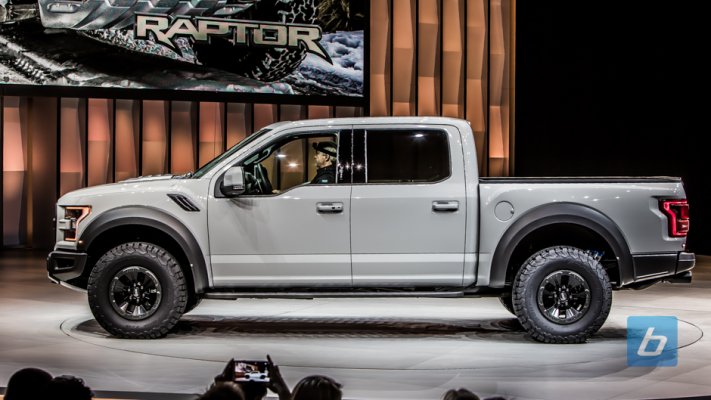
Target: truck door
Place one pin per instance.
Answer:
(292, 226)
(408, 207)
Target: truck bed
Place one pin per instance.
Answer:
(583, 179)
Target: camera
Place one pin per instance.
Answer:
(251, 371)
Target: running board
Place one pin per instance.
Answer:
(312, 295)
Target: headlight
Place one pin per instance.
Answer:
(73, 215)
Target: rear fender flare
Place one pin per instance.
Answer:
(561, 213)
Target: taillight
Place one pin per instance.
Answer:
(677, 212)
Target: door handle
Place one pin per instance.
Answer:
(329, 208)
(445, 206)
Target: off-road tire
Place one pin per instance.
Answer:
(163, 266)
(507, 301)
(531, 276)
(263, 64)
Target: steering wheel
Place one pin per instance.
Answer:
(262, 177)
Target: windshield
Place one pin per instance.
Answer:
(207, 167)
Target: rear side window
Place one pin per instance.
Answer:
(406, 156)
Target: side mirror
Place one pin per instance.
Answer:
(233, 182)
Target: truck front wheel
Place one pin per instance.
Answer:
(137, 291)
(562, 295)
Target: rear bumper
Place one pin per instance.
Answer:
(63, 266)
(655, 266)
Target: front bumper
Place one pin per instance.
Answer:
(63, 266)
(655, 266)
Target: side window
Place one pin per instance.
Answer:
(294, 161)
(406, 156)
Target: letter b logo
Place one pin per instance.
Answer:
(649, 337)
(652, 341)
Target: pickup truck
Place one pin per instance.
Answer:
(368, 207)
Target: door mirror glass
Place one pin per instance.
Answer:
(233, 182)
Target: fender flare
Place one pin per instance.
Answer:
(153, 218)
(565, 213)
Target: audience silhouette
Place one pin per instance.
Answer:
(27, 384)
(34, 383)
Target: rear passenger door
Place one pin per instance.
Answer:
(408, 207)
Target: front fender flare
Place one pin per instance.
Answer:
(154, 218)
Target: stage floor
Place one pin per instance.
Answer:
(377, 348)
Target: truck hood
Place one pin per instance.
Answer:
(148, 178)
(81, 196)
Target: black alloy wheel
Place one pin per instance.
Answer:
(564, 297)
(135, 293)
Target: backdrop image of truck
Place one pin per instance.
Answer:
(368, 207)
(294, 47)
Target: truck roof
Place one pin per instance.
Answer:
(460, 123)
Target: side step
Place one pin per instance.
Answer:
(313, 295)
(684, 277)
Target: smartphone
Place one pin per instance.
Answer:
(251, 371)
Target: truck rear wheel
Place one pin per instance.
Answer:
(562, 295)
(137, 291)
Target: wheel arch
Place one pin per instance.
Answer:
(149, 224)
(576, 224)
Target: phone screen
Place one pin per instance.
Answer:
(251, 371)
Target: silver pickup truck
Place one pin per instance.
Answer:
(364, 207)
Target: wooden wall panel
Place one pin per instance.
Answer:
(183, 137)
(476, 88)
(14, 170)
(72, 146)
(292, 112)
(211, 132)
(498, 92)
(317, 112)
(403, 59)
(42, 196)
(29, 170)
(2, 162)
(239, 122)
(428, 57)
(442, 63)
(380, 56)
(348, 112)
(154, 131)
(453, 31)
(100, 129)
(127, 116)
(265, 114)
